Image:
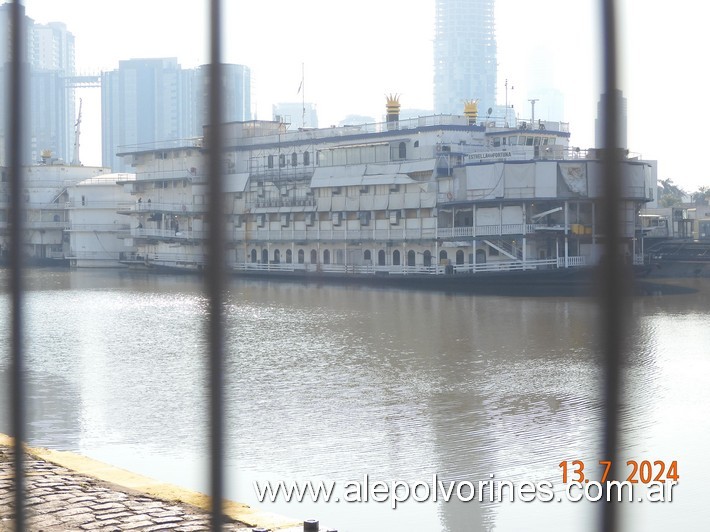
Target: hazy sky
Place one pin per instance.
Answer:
(356, 52)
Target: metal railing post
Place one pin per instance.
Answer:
(614, 285)
(15, 104)
(215, 267)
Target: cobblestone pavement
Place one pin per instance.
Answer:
(60, 499)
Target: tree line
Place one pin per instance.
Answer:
(671, 195)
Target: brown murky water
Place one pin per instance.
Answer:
(332, 383)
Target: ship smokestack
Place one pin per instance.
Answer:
(392, 111)
(470, 111)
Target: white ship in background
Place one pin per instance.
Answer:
(435, 195)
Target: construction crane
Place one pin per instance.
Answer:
(77, 133)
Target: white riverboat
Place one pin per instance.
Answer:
(431, 197)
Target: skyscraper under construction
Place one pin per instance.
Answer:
(464, 55)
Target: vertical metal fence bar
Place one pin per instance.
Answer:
(215, 266)
(614, 283)
(14, 151)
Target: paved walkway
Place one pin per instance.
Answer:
(60, 499)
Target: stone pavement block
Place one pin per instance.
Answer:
(107, 506)
(137, 524)
(112, 515)
(164, 520)
(71, 511)
(165, 513)
(96, 525)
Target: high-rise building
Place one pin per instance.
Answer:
(48, 51)
(146, 101)
(465, 53)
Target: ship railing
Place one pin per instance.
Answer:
(88, 203)
(571, 262)
(159, 206)
(486, 230)
(302, 201)
(102, 228)
(371, 269)
(270, 267)
(46, 224)
(168, 233)
(337, 235)
(172, 257)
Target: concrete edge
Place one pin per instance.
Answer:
(127, 480)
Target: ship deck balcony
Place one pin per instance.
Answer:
(513, 229)
(165, 234)
(131, 207)
(333, 235)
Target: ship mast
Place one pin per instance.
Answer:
(77, 133)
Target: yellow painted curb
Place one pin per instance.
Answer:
(154, 488)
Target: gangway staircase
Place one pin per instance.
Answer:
(507, 248)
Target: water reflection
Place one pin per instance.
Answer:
(330, 382)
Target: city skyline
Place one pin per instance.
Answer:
(352, 57)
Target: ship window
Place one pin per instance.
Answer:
(459, 257)
(253, 255)
(443, 255)
(264, 256)
(416, 143)
(537, 141)
(289, 256)
(326, 256)
(314, 256)
(277, 256)
(294, 159)
(395, 257)
(528, 141)
(427, 258)
(306, 158)
(301, 256)
(270, 161)
(381, 257)
(367, 255)
(513, 141)
(411, 258)
(481, 256)
(282, 160)
(496, 142)
(402, 150)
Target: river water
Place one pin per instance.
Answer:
(330, 382)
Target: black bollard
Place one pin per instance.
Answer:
(310, 525)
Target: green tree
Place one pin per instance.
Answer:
(701, 196)
(669, 194)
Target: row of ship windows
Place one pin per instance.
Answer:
(294, 160)
(400, 152)
(396, 258)
(522, 140)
